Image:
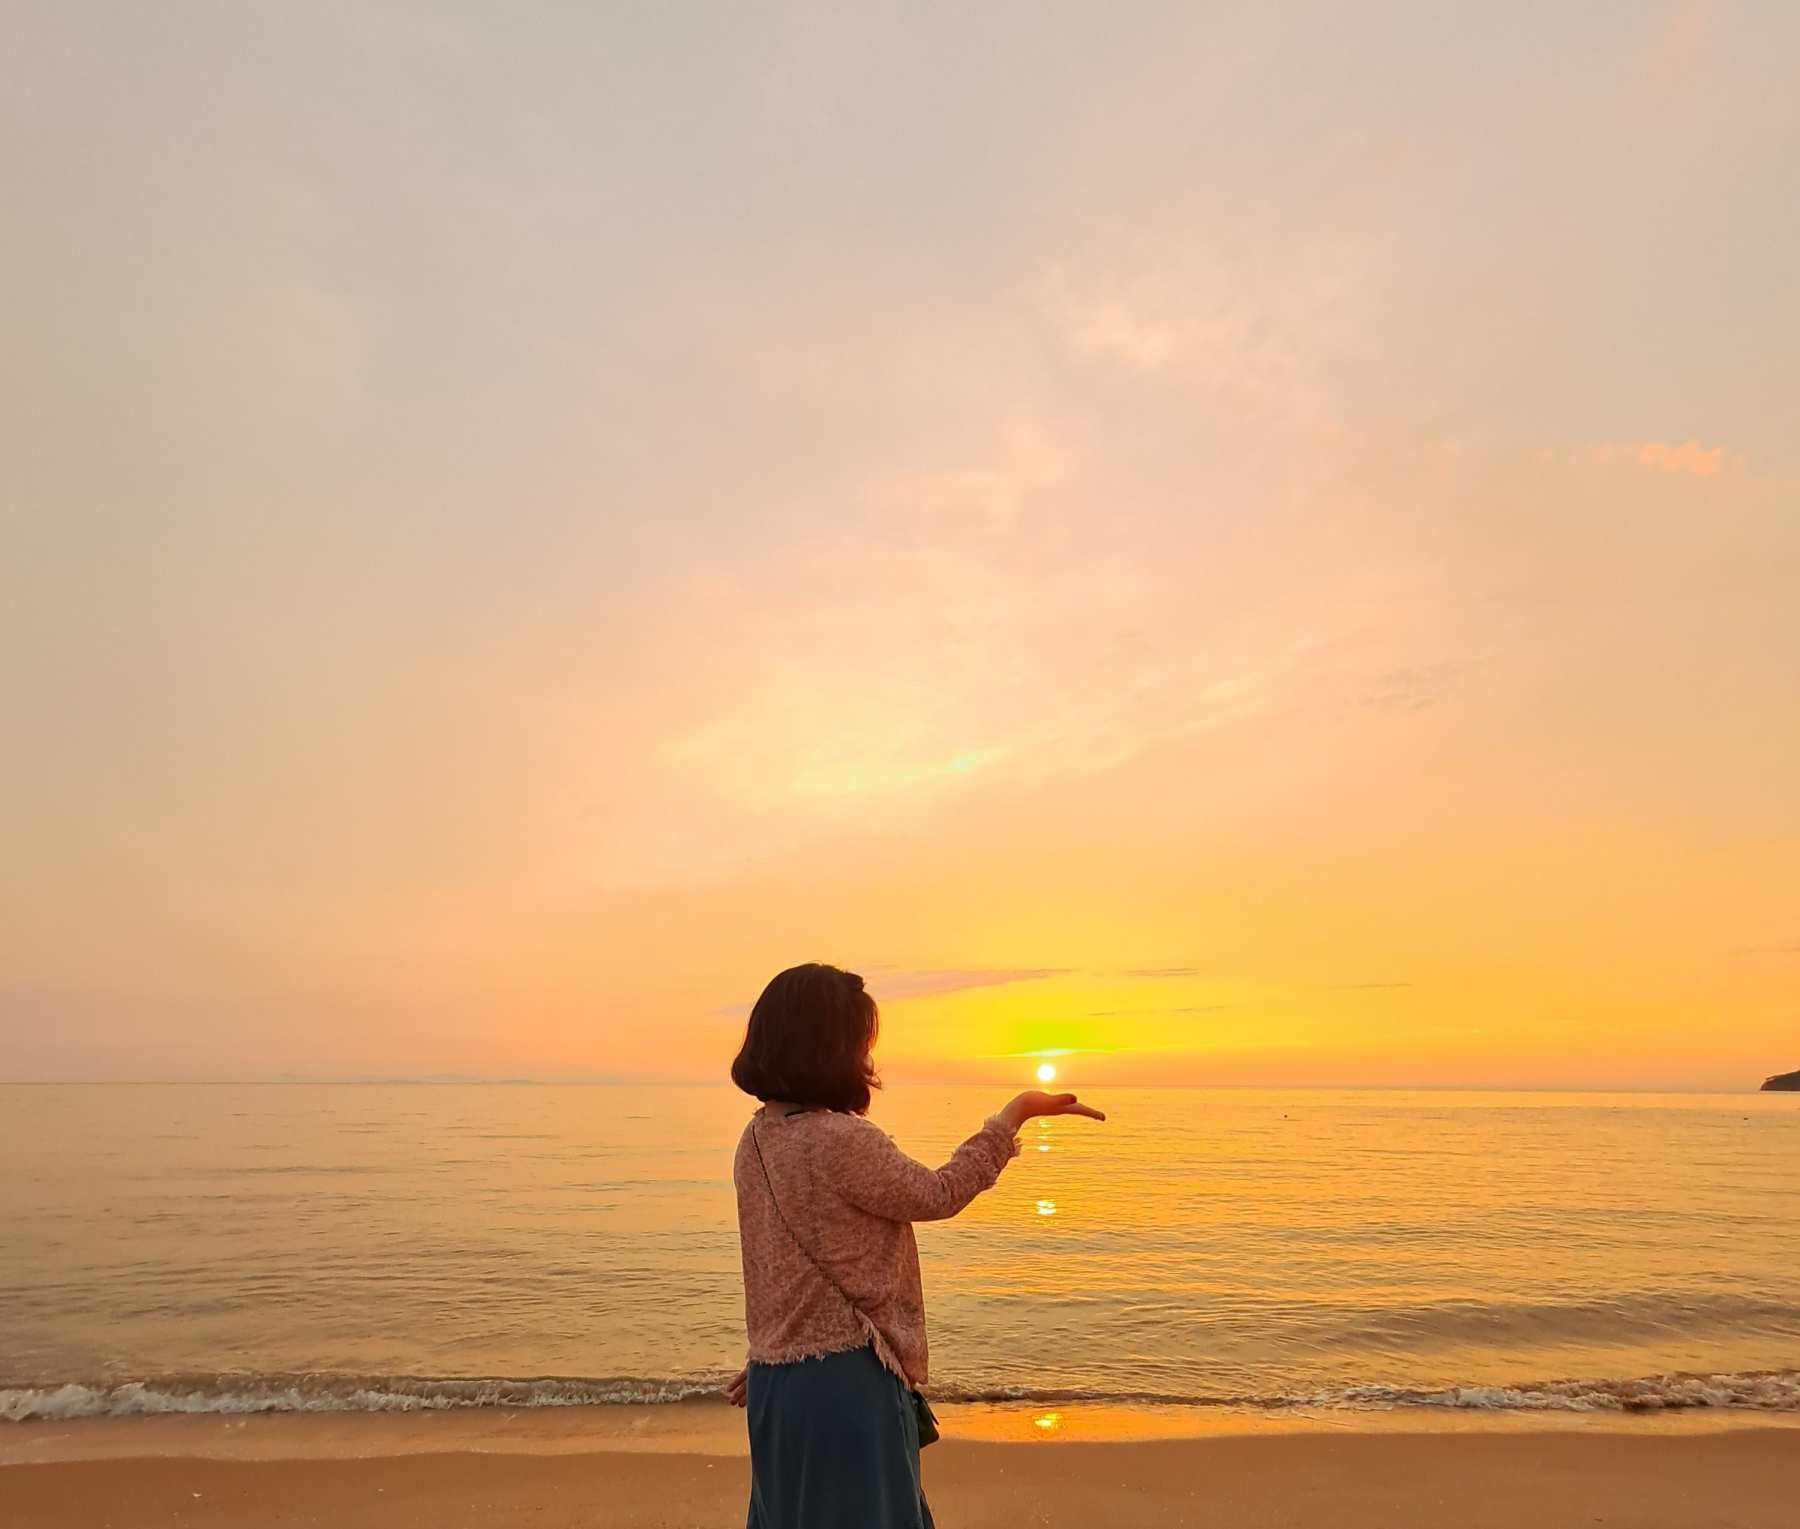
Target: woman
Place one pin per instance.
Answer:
(832, 1301)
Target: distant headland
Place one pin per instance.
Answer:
(1782, 1083)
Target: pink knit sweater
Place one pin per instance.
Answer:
(845, 1198)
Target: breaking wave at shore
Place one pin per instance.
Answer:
(1767, 1391)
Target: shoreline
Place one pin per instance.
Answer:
(386, 1472)
(713, 1430)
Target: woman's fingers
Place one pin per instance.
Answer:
(1065, 1104)
(735, 1388)
(1028, 1106)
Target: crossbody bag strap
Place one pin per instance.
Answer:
(794, 1237)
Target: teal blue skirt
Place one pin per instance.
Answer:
(834, 1444)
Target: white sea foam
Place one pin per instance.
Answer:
(1772, 1391)
(333, 1394)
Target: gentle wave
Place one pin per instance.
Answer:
(1636, 1316)
(1767, 1391)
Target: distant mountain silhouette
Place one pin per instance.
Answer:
(1782, 1083)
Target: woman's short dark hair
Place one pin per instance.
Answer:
(810, 1041)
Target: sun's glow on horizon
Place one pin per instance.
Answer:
(1046, 1073)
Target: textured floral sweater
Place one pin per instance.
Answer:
(840, 1199)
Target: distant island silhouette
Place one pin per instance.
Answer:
(1782, 1083)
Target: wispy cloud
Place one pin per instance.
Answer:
(1192, 1008)
(889, 982)
(899, 982)
(1414, 689)
(1673, 459)
(1683, 42)
(1059, 1051)
(1159, 971)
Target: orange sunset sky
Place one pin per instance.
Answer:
(1252, 545)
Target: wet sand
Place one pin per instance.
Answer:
(553, 1471)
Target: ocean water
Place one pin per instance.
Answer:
(270, 1247)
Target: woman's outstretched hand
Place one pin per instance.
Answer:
(734, 1388)
(1032, 1104)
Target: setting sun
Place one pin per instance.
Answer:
(1046, 1073)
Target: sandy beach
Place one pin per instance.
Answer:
(549, 1472)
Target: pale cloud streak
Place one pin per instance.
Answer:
(897, 982)
(1260, 336)
(1687, 459)
(1415, 688)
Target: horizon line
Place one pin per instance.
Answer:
(455, 1081)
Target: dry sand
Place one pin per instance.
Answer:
(292, 1471)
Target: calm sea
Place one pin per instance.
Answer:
(393, 1247)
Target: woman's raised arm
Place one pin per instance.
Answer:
(873, 1174)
